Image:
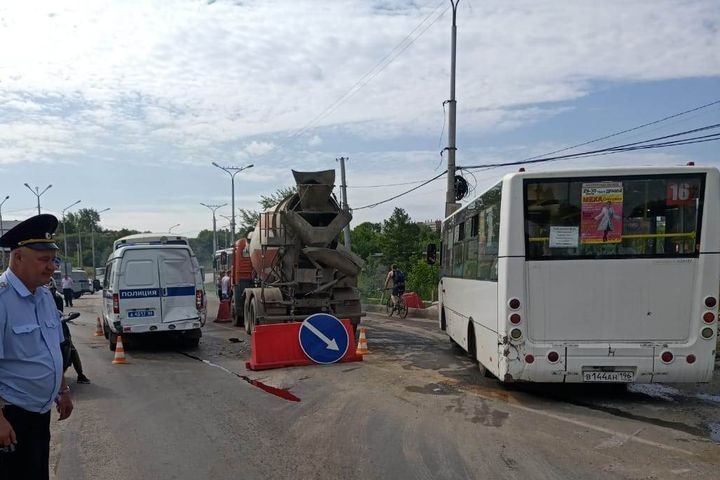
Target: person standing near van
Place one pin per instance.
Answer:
(31, 373)
(218, 283)
(67, 288)
(225, 287)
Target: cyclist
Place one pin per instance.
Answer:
(398, 279)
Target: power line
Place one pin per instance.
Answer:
(386, 185)
(616, 149)
(644, 145)
(373, 205)
(654, 122)
(641, 145)
(375, 71)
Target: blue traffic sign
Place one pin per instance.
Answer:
(323, 338)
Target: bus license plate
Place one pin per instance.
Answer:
(616, 376)
(145, 312)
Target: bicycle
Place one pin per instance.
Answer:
(401, 307)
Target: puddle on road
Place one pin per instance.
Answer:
(432, 389)
(670, 394)
(278, 392)
(655, 390)
(714, 431)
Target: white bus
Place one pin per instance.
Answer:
(604, 275)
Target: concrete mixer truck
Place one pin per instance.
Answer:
(298, 268)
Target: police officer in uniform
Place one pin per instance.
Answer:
(31, 365)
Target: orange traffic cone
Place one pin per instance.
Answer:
(98, 329)
(119, 353)
(362, 343)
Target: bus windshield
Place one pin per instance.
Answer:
(613, 217)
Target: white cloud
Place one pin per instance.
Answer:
(182, 83)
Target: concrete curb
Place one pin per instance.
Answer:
(430, 312)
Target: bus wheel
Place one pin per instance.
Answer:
(472, 349)
(456, 347)
(443, 322)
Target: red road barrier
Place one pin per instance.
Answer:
(412, 300)
(223, 314)
(277, 346)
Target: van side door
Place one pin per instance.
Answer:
(177, 283)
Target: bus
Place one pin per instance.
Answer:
(602, 275)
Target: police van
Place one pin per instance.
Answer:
(153, 284)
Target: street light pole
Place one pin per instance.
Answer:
(170, 229)
(38, 193)
(232, 171)
(92, 239)
(2, 231)
(213, 209)
(229, 219)
(65, 234)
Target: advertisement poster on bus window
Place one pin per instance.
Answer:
(601, 220)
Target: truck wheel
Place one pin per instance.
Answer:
(250, 318)
(237, 313)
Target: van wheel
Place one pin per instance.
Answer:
(191, 342)
(112, 340)
(250, 317)
(105, 329)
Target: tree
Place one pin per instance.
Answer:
(366, 239)
(399, 239)
(250, 218)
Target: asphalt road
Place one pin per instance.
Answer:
(415, 408)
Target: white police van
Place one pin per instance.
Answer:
(153, 284)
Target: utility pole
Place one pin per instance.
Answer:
(213, 209)
(450, 204)
(232, 171)
(343, 195)
(65, 254)
(2, 232)
(80, 259)
(92, 239)
(229, 219)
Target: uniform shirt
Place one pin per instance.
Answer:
(67, 283)
(30, 335)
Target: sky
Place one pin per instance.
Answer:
(125, 104)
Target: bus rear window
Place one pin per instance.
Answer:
(611, 217)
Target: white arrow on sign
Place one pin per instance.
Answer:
(331, 344)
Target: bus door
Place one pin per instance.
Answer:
(177, 285)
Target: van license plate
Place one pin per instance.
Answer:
(616, 376)
(142, 313)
